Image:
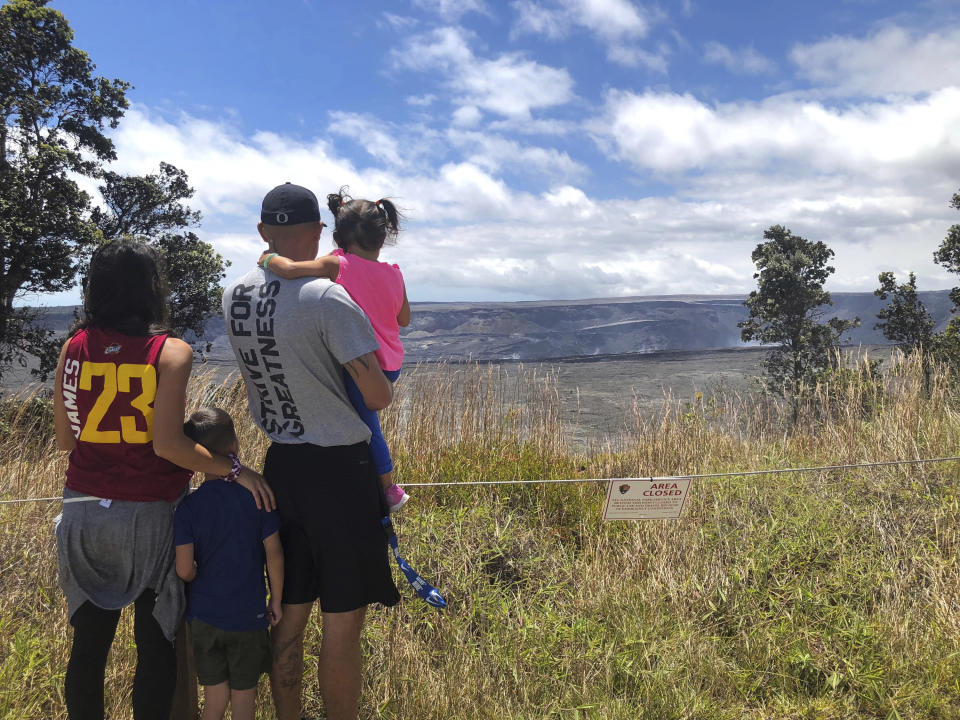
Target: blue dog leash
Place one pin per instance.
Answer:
(425, 590)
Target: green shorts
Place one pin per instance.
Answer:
(237, 657)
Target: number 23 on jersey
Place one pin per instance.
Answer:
(117, 381)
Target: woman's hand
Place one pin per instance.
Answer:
(262, 494)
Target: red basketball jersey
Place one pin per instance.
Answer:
(109, 384)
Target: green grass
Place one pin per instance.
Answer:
(823, 595)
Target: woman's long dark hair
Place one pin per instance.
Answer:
(126, 289)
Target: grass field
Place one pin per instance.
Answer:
(822, 595)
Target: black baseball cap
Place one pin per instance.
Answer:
(289, 204)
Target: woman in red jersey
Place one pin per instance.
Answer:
(119, 404)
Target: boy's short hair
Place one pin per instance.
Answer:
(212, 428)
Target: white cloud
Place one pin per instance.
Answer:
(369, 133)
(445, 48)
(452, 9)
(470, 233)
(534, 126)
(669, 132)
(717, 272)
(509, 85)
(608, 19)
(891, 60)
(534, 18)
(572, 198)
(400, 23)
(494, 153)
(742, 61)
(467, 116)
(421, 100)
(409, 147)
(636, 57)
(228, 170)
(618, 24)
(512, 86)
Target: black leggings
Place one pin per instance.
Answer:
(156, 675)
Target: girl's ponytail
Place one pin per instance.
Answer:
(336, 201)
(392, 217)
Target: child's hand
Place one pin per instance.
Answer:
(274, 611)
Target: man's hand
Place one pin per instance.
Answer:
(377, 391)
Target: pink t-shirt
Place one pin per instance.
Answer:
(377, 287)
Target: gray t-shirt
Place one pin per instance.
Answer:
(291, 339)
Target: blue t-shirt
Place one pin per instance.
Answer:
(227, 530)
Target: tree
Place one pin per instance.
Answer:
(196, 270)
(905, 320)
(948, 254)
(54, 112)
(786, 309)
(151, 207)
(947, 343)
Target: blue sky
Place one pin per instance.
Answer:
(552, 149)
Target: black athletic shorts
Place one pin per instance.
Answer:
(330, 503)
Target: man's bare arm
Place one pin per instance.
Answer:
(377, 391)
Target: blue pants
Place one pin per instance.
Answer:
(378, 446)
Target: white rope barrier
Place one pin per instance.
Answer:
(653, 478)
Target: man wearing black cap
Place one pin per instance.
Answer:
(293, 339)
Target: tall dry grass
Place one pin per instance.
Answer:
(825, 595)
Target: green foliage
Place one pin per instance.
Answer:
(948, 254)
(787, 307)
(152, 207)
(830, 595)
(905, 320)
(28, 337)
(26, 419)
(54, 111)
(947, 344)
(144, 205)
(195, 271)
(850, 387)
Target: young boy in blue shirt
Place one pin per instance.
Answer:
(222, 543)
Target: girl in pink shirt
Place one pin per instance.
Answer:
(361, 229)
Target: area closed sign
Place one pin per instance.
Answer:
(645, 499)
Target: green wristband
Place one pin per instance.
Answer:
(267, 259)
